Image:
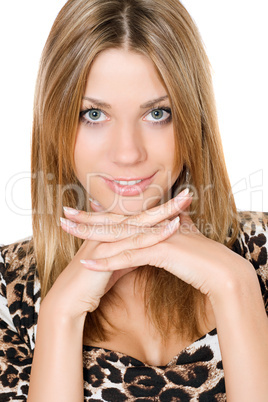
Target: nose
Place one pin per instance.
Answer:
(128, 146)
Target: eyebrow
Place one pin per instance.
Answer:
(145, 105)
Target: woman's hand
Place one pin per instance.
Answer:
(78, 290)
(203, 263)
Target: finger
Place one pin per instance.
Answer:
(123, 260)
(149, 217)
(163, 223)
(116, 276)
(149, 238)
(155, 215)
(96, 207)
(168, 210)
(92, 217)
(187, 225)
(139, 242)
(105, 233)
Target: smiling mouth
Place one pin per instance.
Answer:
(129, 186)
(128, 183)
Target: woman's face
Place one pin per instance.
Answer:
(125, 149)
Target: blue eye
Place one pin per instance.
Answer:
(159, 115)
(92, 116)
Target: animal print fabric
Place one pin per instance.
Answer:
(195, 374)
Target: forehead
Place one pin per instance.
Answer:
(116, 70)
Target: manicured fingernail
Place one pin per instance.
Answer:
(185, 193)
(70, 211)
(89, 263)
(171, 226)
(68, 223)
(94, 201)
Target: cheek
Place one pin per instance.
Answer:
(78, 156)
(84, 155)
(165, 148)
(170, 157)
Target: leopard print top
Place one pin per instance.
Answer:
(195, 374)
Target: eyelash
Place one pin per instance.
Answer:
(91, 123)
(85, 111)
(167, 110)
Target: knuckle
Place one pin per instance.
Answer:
(117, 218)
(87, 216)
(158, 230)
(137, 240)
(93, 304)
(127, 256)
(105, 262)
(136, 220)
(116, 229)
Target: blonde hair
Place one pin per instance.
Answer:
(164, 32)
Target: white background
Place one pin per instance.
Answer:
(236, 36)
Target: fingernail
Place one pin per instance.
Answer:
(181, 195)
(68, 223)
(94, 201)
(184, 192)
(169, 228)
(70, 211)
(91, 263)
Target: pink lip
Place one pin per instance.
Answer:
(129, 191)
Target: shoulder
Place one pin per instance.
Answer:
(252, 244)
(17, 267)
(253, 237)
(20, 289)
(17, 253)
(252, 221)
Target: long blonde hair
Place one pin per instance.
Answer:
(164, 32)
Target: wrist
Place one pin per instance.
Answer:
(238, 298)
(59, 341)
(236, 286)
(54, 313)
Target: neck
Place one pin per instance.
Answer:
(129, 288)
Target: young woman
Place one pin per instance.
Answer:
(148, 291)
